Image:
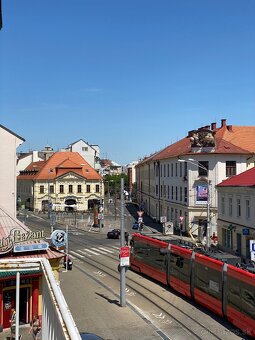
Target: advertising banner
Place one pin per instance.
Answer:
(201, 194)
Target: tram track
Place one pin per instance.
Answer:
(144, 292)
(152, 296)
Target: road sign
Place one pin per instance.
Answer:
(140, 213)
(253, 256)
(252, 245)
(124, 256)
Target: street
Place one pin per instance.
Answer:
(92, 291)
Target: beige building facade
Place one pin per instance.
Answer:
(65, 182)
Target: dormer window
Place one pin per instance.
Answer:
(203, 168)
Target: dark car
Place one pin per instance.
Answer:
(135, 225)
(114, 233)
(90, 336)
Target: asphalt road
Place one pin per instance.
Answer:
(152, 311)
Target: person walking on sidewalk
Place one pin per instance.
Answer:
(35, 327)
(13, 324)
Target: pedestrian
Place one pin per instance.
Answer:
(126, 237)
(35, 328)
(13, 323)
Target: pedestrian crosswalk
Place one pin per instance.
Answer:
(93, 251)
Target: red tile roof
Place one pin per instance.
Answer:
(59, 164)
(244, 179)
(228, 140)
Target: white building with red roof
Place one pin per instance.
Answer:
(64, 182)
(174, 181)
(236, 213)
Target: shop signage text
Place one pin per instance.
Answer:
(17, 236)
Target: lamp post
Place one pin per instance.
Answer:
(208, 220)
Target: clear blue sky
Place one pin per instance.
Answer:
(132, 76)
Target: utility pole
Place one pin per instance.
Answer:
(122, 243)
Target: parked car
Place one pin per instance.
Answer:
(90, 336)
(114, 233)
(135, 225)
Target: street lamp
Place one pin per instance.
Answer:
(208, 222)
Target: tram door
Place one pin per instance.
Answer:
(9, 299)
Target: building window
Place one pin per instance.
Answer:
(157, 190)
(185, 169)
(52, 189)
(164, 170)
(248, 208)
(185, 194)
(97, 188)
(238, 206)
(180, 169)
(172, 170)
(41, 189)
(230, 168)
(168, 192)
(230, 206)
(161, 170)
(61, 189)
(172, 192)
(161, 191)
(181, 194)
(70, 187)
(176, 193)
(176, 169)
(88, 188)
(223, 205)
(84, 148)
(79, 188)
(203, 168)
(168, 168)
(227, 238)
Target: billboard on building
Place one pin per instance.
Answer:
(201, 194)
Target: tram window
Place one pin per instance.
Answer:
(157, 260)
(208, 280)
(248, 301)
(233, 293)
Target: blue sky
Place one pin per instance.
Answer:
(132, 76)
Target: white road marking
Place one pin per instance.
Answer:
(108, 251)
(75, 254)
(100, 251)
(80, 251)
(91, 251)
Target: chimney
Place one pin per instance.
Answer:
(207, 127)
(190, 133)
(223, 122)
(213, 126)
(230, 128)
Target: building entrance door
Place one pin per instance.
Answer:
(9, 301)
(239, 244)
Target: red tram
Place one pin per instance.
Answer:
(213, 280)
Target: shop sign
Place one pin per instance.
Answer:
(30, 247)
(17, 236)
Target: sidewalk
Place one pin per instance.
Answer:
(23, 330)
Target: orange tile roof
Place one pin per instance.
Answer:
(59, 164)
(228, 139)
